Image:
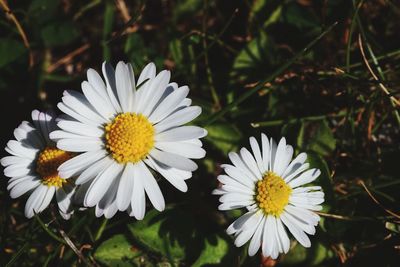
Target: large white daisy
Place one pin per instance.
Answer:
(271, 186)
(124, 126)
(32, 166)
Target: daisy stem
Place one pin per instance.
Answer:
(101, 229)
(48, 231)
(270, 78)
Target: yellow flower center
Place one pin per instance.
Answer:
(129, 138)
(272, 194)
(47, 164)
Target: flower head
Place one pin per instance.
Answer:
(122, 127)
(272, 188)
(32, 166)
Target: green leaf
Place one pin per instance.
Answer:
(393, 227)
(43, 10)
(255, 60)
(223, 136)
(154, 234)
(59, 33)
(322, 140)
(215, 252)
(186, 8)
(299, 255)
(117, 251)
(296, 255)
(10, 50)
(301, 17)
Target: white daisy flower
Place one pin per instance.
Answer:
(32, 166)
(122, 129)
(270, 185)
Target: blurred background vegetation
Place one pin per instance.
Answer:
(338, 102)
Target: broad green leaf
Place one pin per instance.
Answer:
(186, 8)
(300, 16)
(255, 60)
(322, 140)
(117, 251)
(216, 252)
(223, 136)
(10, 50)
(169, 233)
(59, 33)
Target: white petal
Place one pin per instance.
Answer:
(80, 162)
(78, 103)
(268, 237)
(151, 187)
(250, 227)
(173, 160)
(272, 153)
(257, 154)
(239, 223)
(93, 170)
(172, 175)
(181, 133)
(149, 72)
(168, 105)
(24, 186)
(101, 184)
(178, 118)
(11, 160)
(295, 164)
(35, 200)
(249, 160)
(265, 151)
(183, 149)
(296, 232)
(238, 175)
(282, 235)
(109, 76)
(47, 198)
(15, 148)
(125, 188)
(138, 200)
(75, 115)
(238, 162)
(154, 91)
(255, 242)
(305, 178)
(101, 105)
(97, 83)
(80, 128)
(80, 145)
(124, 86)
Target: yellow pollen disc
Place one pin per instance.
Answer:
(47, 164)
(129, 137)
(272, 194)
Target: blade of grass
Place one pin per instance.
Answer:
(270, 78)
(352, 27)
(107, 29)
(48, 231)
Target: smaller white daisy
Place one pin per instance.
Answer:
(32, 166)
(270, 185)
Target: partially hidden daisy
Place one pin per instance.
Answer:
(32, 166)
(272, 188)
(123, 127)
